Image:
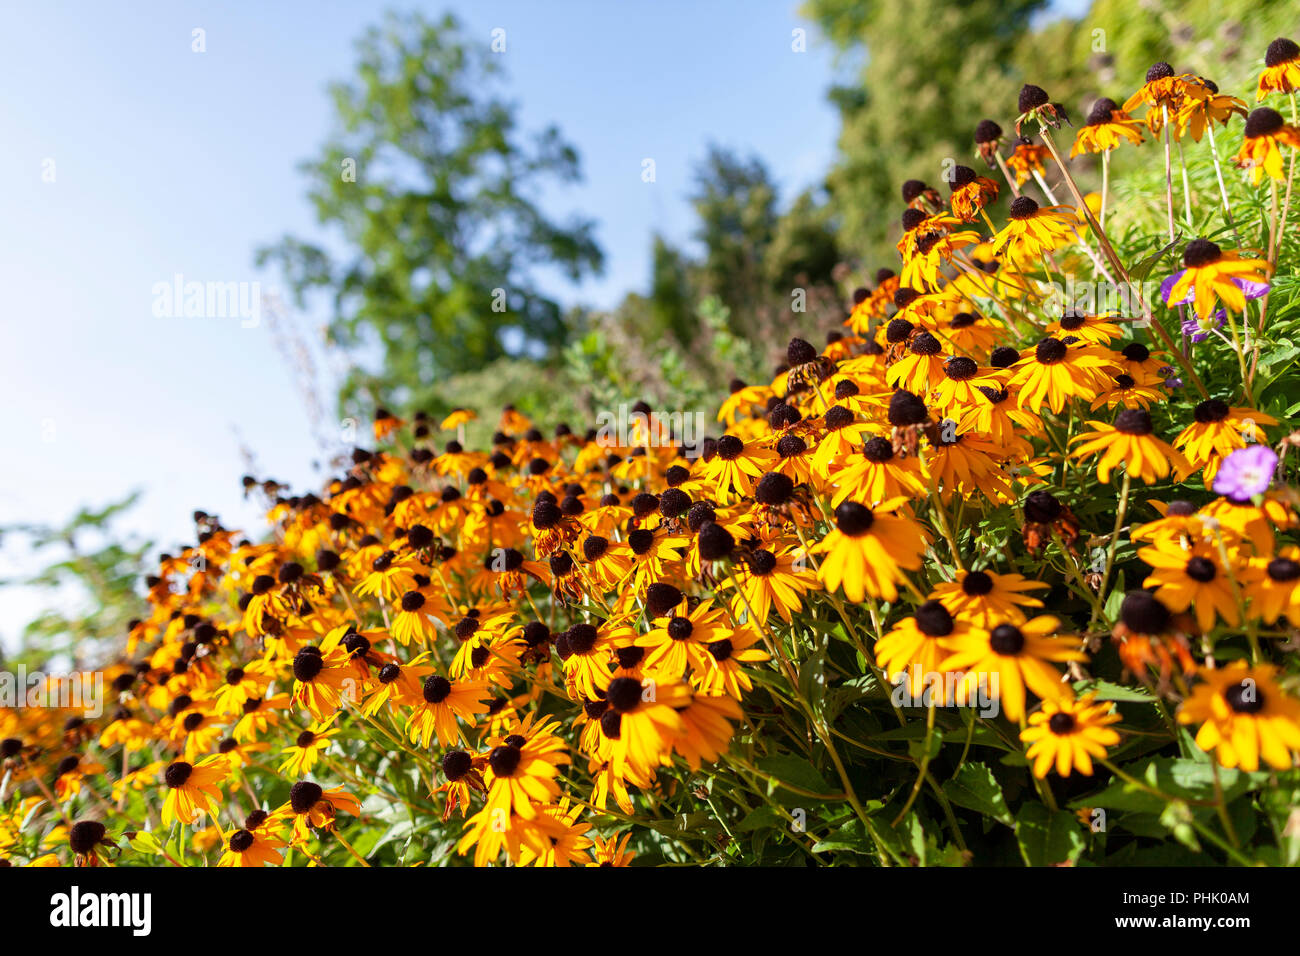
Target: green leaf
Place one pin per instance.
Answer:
(851, 838)
(760, 818)
(145, 842)
(1181, 778)
(795, 772)
(975, 788)
(1048, 837)
(1105, 690)
(1142, 268)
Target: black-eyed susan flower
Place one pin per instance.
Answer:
(1266, 132)
(643, 722)
(770, 577)
(677, 640)
(1163, 93)
(728, 656)
(959, 386)
(411, 620)
(310, 806)
(1244, 716)
(868, 550)
(521, 768)
(1219, 429)
(1281, 68)
(737, 466)
(1033, 230)
(844, 432)
(1212, 275)
(1131, 441)
(970, 193)
(1127, 392)
(985, 597)
(1054, 373)
(463, 776)
(254, 844)
(585, 651)
(391, 575)
(912, 650)
(877, 474)
(996, 412)
(605, 562)
(1107, 127)
(1010, 657)
(1067, 733)
(307, 748)
(442, 703)
(1192, 579)
(1272, 583)
(321, 675)
(193, 789)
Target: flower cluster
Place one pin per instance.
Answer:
(539, 644)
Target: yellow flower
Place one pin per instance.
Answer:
(1244, 716)
(868, 550)
(985, 597)
(1281, 68)
(1130, 442)
(1107, 127)
(193, 789)
(1053, 373)
(1034, 230)
(1192, 578)
(1273, 586)
(1260, 152)
(1069, 733)
(1012, 657)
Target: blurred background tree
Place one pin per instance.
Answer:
(91, 580)
(425, 185)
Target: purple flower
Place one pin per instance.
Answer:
(1246, 472)
(1193, 329)
(1252, 290)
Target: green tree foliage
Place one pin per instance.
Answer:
(91, 581)
(436, 219)
(926, 71)
(931, 69)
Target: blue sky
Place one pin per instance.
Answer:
(167, 161)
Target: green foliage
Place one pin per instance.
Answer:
(92, 579)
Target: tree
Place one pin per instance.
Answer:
(427, 183)
(93, 579)
(672, 310)
(735, 202)
(932, 69)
